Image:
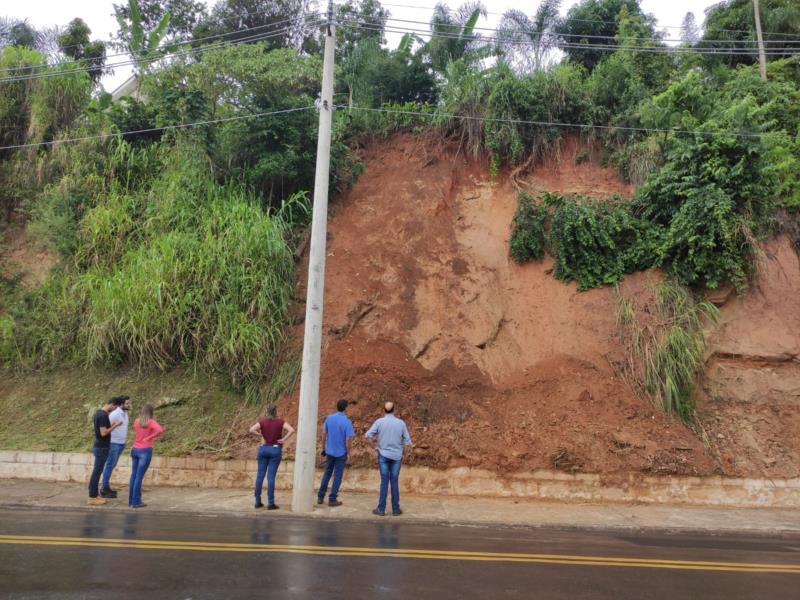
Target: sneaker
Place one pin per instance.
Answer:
(140, 505)
(397, 513)
(108, 494)
(259, 505)
(96, 501)
(320, 500)
(334, 503)
(380, 513)
(273, 507)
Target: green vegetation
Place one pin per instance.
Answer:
(175, 246)
(671, 347)
(527, 235)
(199, 412)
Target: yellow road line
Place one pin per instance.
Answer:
(563, 559)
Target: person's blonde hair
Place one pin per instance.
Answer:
(145, 415)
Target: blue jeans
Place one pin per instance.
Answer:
(140, 460)
(269, 458)
(100, 457)
(113, 456)
(390, 473)
(334, 465)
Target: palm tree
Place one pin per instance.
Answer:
(453, 36)
(537, 34)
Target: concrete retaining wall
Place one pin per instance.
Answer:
(545, 485)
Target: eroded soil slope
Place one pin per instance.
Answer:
(750, 393)
(493, 364)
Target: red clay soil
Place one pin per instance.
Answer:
(18, 254)
(750, 396)
(492, 364)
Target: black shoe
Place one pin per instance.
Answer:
(259, 505)
(378, 512)
(334, 503)
(320, 500)
(273, 507)
(108, 494)
(397, 513)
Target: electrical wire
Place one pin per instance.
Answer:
(198, 50)
(599, 47)
(680, 27)
(154, 129)
(590, 36)
(171, 43)
(546, 123)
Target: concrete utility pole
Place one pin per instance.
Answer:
(762, 58)
(306, 454)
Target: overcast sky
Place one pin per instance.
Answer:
(98, 14)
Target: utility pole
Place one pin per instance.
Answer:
(762, 58)
(306, 453)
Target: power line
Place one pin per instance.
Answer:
(598, 47)
(227, 19)
(199, 50)
(497, 14)
(154, 129)
(590, 36)
(546, 123)
(171, 43)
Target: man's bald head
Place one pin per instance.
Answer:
(388, 407)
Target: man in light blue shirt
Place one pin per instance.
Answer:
(391, 434)
(338, 431)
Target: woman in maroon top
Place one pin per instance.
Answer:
(275, 432)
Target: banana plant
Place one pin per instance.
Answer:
(142, 45)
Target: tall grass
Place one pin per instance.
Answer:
(180, 271)
(209, 282)
(671, 346)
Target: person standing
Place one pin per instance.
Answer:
(146, 429)
(118, 416)
(338, 431)
(275, 432)
(102, 442)
(391, 434)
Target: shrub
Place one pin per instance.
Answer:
(527, 235)
(596, 242)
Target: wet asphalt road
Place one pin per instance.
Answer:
(55, 554)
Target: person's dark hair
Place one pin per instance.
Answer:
(118, 400)
(272, 412)
(388, 407)
(341, 405)
(145, 415)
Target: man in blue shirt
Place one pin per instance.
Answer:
(338, 431)
(392, 434)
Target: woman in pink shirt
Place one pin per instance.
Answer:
(146, 429)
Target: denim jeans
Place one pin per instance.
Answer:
(113, 456)
(100, 457)
(334, 465)
(140, 460)
(269, 458)
(390, 473)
